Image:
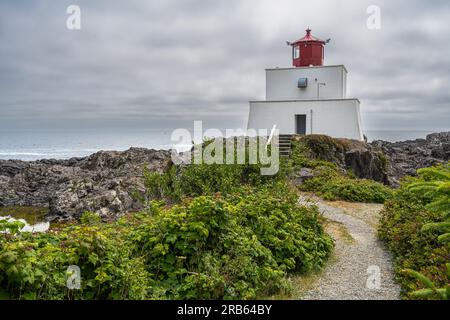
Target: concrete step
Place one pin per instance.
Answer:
(284, 144)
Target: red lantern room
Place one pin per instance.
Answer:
(307, 51)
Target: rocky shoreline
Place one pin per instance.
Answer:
(102, 182)
(105, 181)
(405, 157)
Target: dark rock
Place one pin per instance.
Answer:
(367, 163)
(102, 182)
(11, 167)
(405, 157)
(302, 175)
(362, 159)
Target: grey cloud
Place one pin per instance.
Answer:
(167, 63)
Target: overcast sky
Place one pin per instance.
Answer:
(163, 64)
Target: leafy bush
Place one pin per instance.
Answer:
(292, 233)
(435, 185)
(314, 151)
(34, 266)
(91, 218)
(237, 246)
(430, 291)
(331, 185)
(204, 253)
(206, 179)
(13, 227)
(414, 224)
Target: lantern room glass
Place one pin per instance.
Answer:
(296, 52)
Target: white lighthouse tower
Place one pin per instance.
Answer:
(308, 98)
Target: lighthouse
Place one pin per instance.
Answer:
(309, 97)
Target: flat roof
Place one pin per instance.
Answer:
(305, 100)
(290, 68)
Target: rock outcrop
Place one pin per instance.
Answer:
(103, 182)
(406, 157)
(382, 161)
(362, 159)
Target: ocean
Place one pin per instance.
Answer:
(64, 144)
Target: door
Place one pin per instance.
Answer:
(300, 123)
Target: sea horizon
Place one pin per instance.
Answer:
(37, 145)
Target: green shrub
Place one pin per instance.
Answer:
(293, 233)
(322, 147)
(34, 266)
(435, 185)
(313, 151)
(160, 185)
(238, 246)
(90, 218)
(431, 291)
(331, 185)
(207, 179)
(204, 253)
(13, 227)
(411, 224)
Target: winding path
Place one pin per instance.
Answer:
(361, 268)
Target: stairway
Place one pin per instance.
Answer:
(284, 144)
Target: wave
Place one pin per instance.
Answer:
(22, 154)
(45, 153)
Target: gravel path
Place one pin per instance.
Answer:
(358, 257)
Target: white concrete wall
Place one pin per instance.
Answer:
(336, 118)
(281, 84)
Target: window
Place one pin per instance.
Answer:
(296, 52)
